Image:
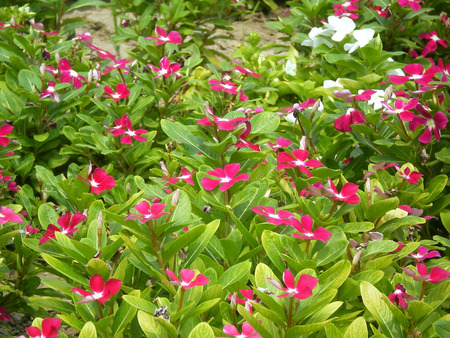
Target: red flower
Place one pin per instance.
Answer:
(247, 331)
(433, 125)
(414, 4)
(5, 129)
(422, 254)
(431, 45)
(436, 274)
(282, 217)
(352, 116)
(119, 64)
(4, 316)
(50, 92)
(221, 122)
(399, 295)
(67, 224)
(345, 7)
(102, 292)
(99, 180)
(246, 71)
(50, 328)
(148, 212)
(122, 92)
(411, 176)
(248, 295)
(417, 73)
(29, 230)
(401, 108)
(305, 228)
(226, 177)
(69, 75)
(162, 37)
(8, 215)
(302, 290)
(226, 86)
(102, 54)
(281, 143)
(185, 176)
(347, 194)
(167, 68)
(298, 160)
(83, 37)
(187, 279)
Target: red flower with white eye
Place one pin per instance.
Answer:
(69, 75)
(162, 37)
(424, 253)
(247, 331)
(167, 68)
(304, 226)
(302, 290)
(185, 176)
(99, 180)
(351, 117)
(414, 4)
(399, 296)
(67, 222)
(50, 92)
(436, 274)
(5, 129)
(122, 92)
(277, 218)
(433, 125)
(281, 143)
(50, 328)
(411, 176)
(102, 54)
(401, 109)
(148, 212)
(8, 215)
(187, 279)
(226, 177)
(348, 192)
(226, 86)
(431, 45)
(299, 160)
(246, 71)
(416, 73)
(102, 291)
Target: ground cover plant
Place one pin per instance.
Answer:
(295, 189)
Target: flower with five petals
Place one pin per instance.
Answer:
(101, 291)
(302, 290)
(187, 279)
(226, 177)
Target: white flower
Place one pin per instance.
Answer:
(289, 67)
(332, 84)
(362, 36)
(376, 98)
(314, 38)
(339, 27)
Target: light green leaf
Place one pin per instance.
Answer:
(264, 123)
(197, 247)
(435, 187)
(151, 327)
(88, 331)
(140, 304)
(236, 273)
(357, 329)
(442, 328)
(124, 315)
(202, 330)
(380, 208)
(29, 80)
(184, 240)
(65, 269)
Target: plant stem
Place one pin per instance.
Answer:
(289, 319)
(422, 293)
(99, 309)
(181, 299)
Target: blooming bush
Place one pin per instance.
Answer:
(158, 188)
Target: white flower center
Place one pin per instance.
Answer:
(225, 180)
(299, 163)
(73, 73)
(430, 124)
(93, 183)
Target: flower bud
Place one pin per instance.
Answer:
(209, 112)
(357, 257)
(233, 301)
(316, 106)
(388, 93)
(57, 56)
(175, 198)
(42, 69)
(164, 169)
(303, 144)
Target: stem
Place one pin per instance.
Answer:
(150, 226)
(403, 127)
(181, 299)
(424, 285)
(289, 319)
(308, 242)
(99, 309)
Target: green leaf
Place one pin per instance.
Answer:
(53, 304)
(201, 308)
(124, 315)
(435, 187)
(333, 248)
(375, 304)
(197, 247)
(253, 322)
(65, 269)
(140, 304)
(271, 243)
(194, 144)
(443, 155)
(442, 328)
(243, 230)
(334, 277)
(97, 266)
(29, 80)
(380, 247)
(445, 219)
(301, 330)
(88, 331)
(184, 240)
(356, 227)
(85, 3)
(151, 327)
(47, 215)
(380, 208)
(202, 330)
(357, 329)
(264, 123)
(236, 273)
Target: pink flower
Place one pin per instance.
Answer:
(247, 331)
(411, 176)
(352, 116)
(50, 92)
(148, 212)
(281, 143)
(187, 279)
(167, 68)
(8, 215)
(431, 45)
(298, 159)
(417, 73)
(401, 109)
(346, 7)
(69, 75)
(248, 299)
(119, 64)
(102, 54)
(4, 316)
(50, 328)
(399, 247)
(185, 176)
(414, 4)
(121, 125)
(122, 92)
(101, 291)
(302, 290)
(226, 86)
(162, 37)
(99, 180)
(399, 295)
(281, 217)
(348, 192)
(226, 177)
(436, 274)
(422, 254)
(433, 125)
(304, 226)
(29, 230)
(83, 37)
(5, 129)
(67, 222)
(221, 122)
(246, 71)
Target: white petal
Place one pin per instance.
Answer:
(363, 36)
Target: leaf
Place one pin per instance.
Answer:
(333, 248)
(184, 240)
(271, 243)
(442, 328)
(443, 155)
(236, 273)
(334, 277)
(201, 308)
(357, 329)
(301, 330)
(124, 315)
(29, 80)
(445, 219)
(194, 144)
(151, 327)
(435, 187)
(380, 208)
(88, 331)
(140, 304)
(375, 304)
(243, 230)
(97, 266)
(197, 247)
(85, 3)
(65, 269)
(202, 330)
(264, 123)
(356, 227)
